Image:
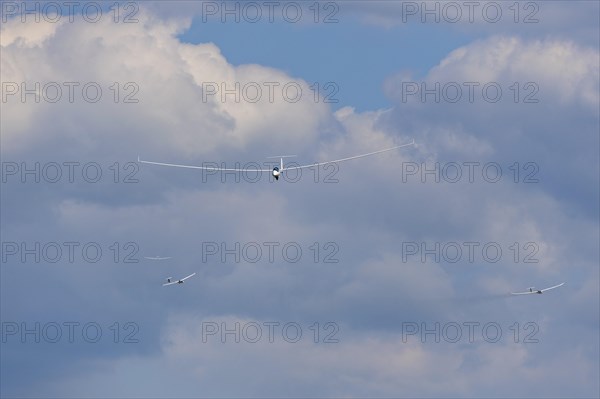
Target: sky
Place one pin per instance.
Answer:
(385, 276)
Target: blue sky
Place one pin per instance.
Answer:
(396, 268)
(338, 52)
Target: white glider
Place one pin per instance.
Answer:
(532, 290)
(170, 280)
(157, 257)
(277, 170)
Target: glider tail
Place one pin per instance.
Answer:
(281, 160)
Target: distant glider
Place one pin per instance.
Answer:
(277, 170)
(532, 290)
(157, 257)
(170, 280)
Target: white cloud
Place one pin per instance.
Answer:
(559, 19)
(173, 112)
(369, 213)
(566, 72)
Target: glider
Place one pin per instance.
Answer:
(157, 257)
(277, 170)
(170, 280)
(532, 290)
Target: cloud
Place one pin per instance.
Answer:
(528, 19)
(558, 74)
(179, 88)
(365, 210)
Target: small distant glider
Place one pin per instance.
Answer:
(277, 170)
(532, 290)
(170, 280)
(157, 257)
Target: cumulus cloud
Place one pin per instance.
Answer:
(553, 74)
(527, 19)
(367, 209)
(180, 89)
(566, 71)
